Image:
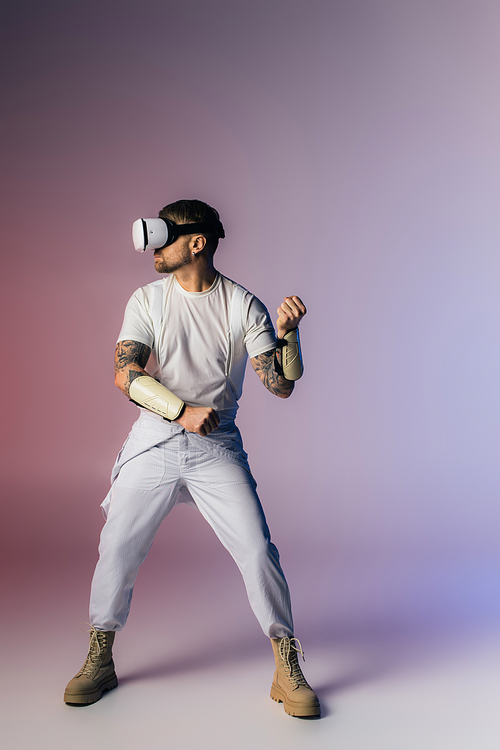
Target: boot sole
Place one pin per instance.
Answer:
(83, 699)
(291, 708)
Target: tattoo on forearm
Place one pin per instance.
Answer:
(263, 365)
(132, 375)
(131, 358)
(131, 353)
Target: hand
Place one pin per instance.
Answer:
(290, 313)
(199, 419)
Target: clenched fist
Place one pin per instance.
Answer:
(290, 313)
(199, 419)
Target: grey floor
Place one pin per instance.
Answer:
(191, 685)
(449, 700)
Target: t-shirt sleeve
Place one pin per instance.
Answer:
(137, 323)
(259, 334)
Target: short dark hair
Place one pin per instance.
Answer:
(192, 212)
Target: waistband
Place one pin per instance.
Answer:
(148, 420)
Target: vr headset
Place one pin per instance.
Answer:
(155, 234)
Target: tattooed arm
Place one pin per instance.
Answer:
(131, 357)
(290, 313)
(263, 365)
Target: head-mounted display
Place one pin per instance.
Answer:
(155, 234)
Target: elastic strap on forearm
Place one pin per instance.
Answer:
(147, 392)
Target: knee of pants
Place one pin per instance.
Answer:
(262, 556)
(124, 550)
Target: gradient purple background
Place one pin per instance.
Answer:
(352, 149)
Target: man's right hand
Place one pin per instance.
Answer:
(199, 419)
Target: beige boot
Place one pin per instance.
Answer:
(97, 674)
(289, 684)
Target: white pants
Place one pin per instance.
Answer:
(157, 464)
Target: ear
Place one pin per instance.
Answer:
(197, 243)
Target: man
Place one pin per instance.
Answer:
(185, 446)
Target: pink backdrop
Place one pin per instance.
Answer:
(352, 149)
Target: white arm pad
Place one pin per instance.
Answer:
(147, 392)
(290, 357)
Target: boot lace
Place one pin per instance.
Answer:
(97, 644)
(288, 653)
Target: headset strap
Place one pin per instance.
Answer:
(202, 226)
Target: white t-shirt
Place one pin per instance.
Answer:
(192, 350)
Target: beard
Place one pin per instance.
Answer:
(162, 265)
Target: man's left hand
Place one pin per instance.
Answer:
(290, 313)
